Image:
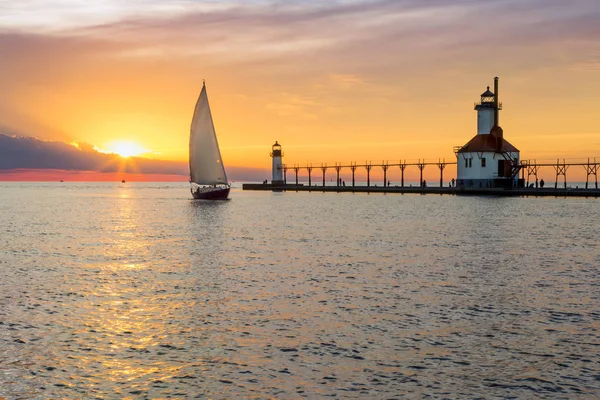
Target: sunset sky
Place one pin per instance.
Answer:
(344, 80)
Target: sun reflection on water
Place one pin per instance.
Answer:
(153, 295)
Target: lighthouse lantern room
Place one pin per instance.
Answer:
(488, 160)
(486, 109)
(277, 156)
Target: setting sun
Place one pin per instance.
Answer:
(126, 149)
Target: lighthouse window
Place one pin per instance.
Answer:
(468, 162)
(483, 162)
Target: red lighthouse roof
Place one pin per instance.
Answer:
(487, 142)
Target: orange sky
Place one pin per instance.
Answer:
(37, 175)
(346, 81)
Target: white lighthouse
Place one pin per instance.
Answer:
(488, 160)
(485, 112)
(277, 156)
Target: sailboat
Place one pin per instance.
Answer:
(207, 173)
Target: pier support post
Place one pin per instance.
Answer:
(591, 169)
(285, 170)
(368, 166)
(596, 173)
(560, 170)
(338, 167)
(353, 169)
(587, 170)
(532, 169)
(402, 168)
(324, 169)
(309, 168)
(421, 166)
(296, 169)
(441, 164)
(385, 166)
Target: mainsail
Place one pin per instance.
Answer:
(206, 165)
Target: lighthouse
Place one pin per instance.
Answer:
(486, 109)
(488, 160)
(277, 155)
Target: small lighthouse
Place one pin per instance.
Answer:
(277, 155)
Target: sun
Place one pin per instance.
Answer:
(126, 149)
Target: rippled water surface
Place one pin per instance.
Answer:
(136, 291)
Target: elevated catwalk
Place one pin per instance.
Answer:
(534, 192)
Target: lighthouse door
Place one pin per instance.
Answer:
(501, 169)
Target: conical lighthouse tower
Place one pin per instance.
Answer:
(277, 156)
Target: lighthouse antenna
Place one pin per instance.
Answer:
(496, 103)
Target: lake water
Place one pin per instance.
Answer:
(136, 291)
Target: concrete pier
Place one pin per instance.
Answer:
(522, 192)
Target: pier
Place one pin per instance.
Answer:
(517, 192)
(527, 168)
(368, 166)
(488, 164)
(529, 184)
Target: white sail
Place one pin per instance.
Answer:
(206, 165)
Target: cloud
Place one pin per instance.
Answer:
(239, 30)
(28, 152)
(342, 38)
(52, 15)
(20, 153)
(346, 81)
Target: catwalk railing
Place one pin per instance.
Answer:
(530, 169)
(527, 168)
(368, 166)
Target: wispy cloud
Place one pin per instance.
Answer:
(360, 35)
(56, 15)
(346, 81)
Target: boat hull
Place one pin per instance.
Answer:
(211, 194)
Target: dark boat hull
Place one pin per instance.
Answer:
(212, 194)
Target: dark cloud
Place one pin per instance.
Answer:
(27, 152)
(22, 152)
